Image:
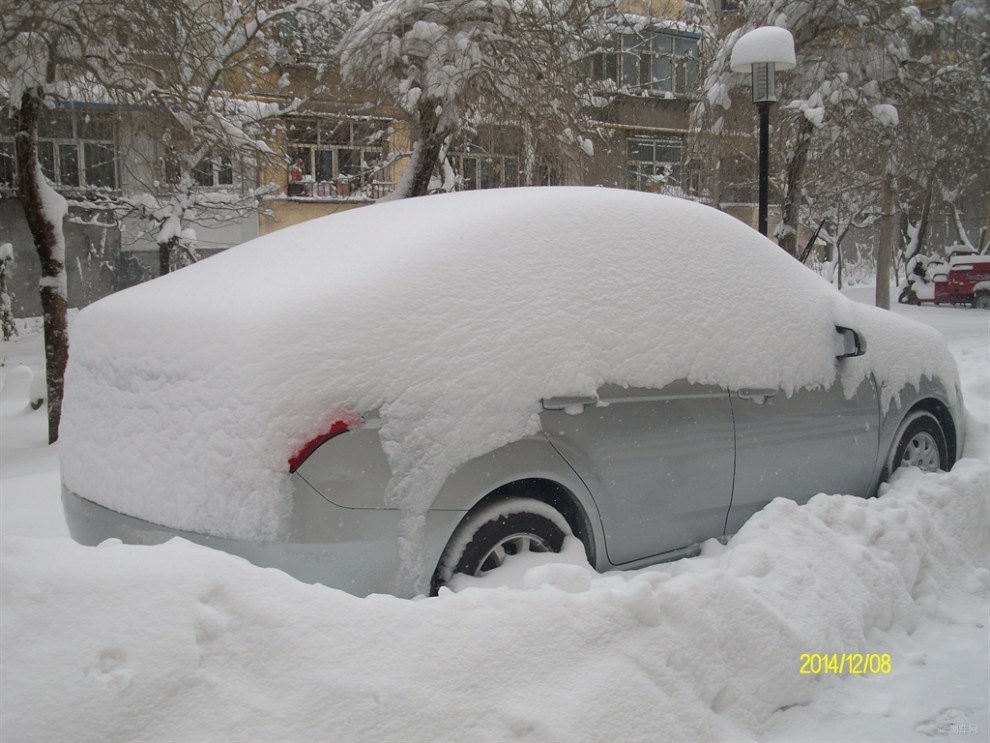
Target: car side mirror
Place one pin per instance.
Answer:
(849, 343)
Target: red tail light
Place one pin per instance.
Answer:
(303, 454)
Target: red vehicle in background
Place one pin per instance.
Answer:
(964, 279)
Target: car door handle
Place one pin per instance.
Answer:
(570, 404)
(757, 396)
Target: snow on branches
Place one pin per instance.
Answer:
(448, 63)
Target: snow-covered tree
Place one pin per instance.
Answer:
(946, 147)
(189, 65)
(42, 41)
(207, 101)
(449, 64)
(871, 77)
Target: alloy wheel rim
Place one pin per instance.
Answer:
(515, 544)
(922, 452)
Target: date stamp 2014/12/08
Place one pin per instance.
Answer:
(857, 664)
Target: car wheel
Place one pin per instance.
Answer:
(982, 301)
(498, 531)
(921, 444)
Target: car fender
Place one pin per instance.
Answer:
(929, 392)
(351, 471)
(531, 458)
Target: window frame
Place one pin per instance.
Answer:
(219, 168)
(643, 174)
(67, 150)
(632, 60)
(490, 157)
(324, 140)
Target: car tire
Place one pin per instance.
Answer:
(982, 301)
(920, 443)
(500, 530)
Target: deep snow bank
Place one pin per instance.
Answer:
(454, 315)
(177, 642)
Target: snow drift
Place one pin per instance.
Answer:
(178, 642)
(454, 315)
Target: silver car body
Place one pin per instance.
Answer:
(641, 475)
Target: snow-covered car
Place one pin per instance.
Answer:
(384, 398)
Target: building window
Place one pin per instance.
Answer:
(651, 61)
(694, 11)
(214, 171)
(305, 38)
(653, 162)
(492, 157)
(75, 148)
(210, 172)
(488, 158)
(336, 158)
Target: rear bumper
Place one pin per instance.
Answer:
(357, 551)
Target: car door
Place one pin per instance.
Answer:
(659, 463)
(796, 446)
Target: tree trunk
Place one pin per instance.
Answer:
(838, 263)
(165, 255)
(6, 311)
(926, 214)
(50, 244)
(791, 212)
(890, 231)
(174, 254)
(840, 235)
(529, 157)
(430, 144)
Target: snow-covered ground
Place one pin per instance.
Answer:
(177, 642)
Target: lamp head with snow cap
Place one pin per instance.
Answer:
(762, 51)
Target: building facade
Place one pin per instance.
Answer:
(339, 151)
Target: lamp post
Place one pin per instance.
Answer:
(761, 52)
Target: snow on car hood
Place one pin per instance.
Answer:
(454, 315)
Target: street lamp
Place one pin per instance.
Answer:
(762, 51)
